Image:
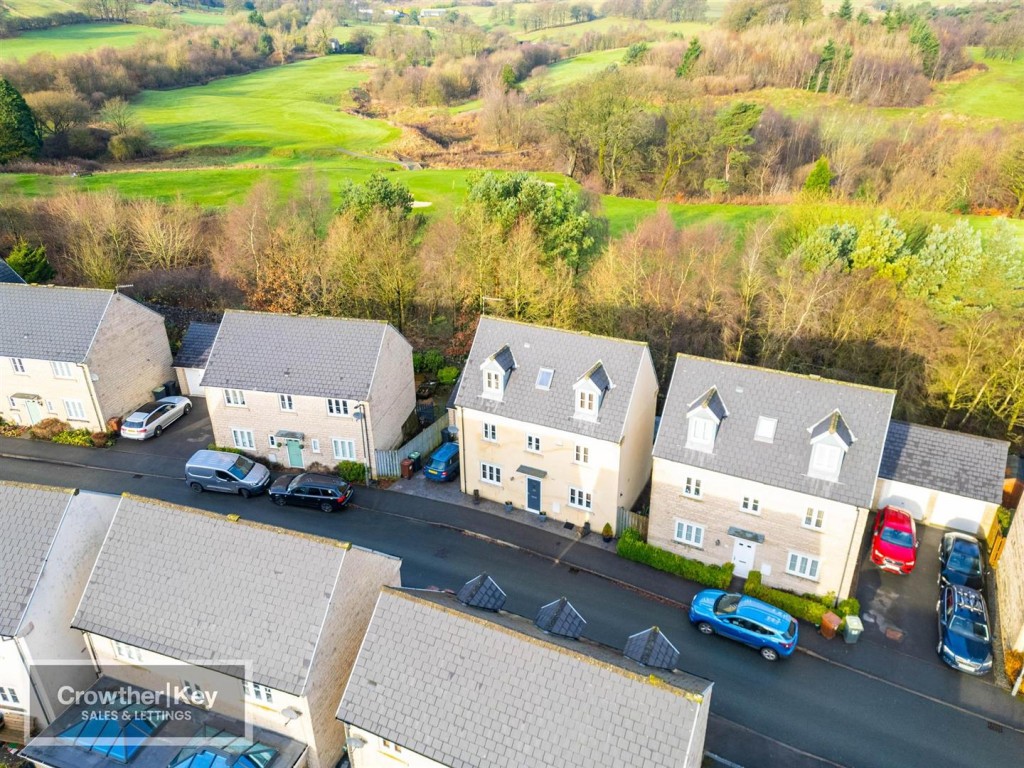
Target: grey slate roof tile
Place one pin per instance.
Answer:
(471, 689)
(572, 356)
(560, 618)
(197, 586)
(482, 592)
(30, 517)
(8, 275)
(196, 345)
(50, 322)
(943, 460)
(799, 403)
(652, 649)
(297, 355)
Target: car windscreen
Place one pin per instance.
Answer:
(965, 562)
(436, 464)
(727, 604)
(898, 538)
(135, 424)
(241, 467)
(975, 630)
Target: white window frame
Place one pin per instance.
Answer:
(751, 504)
(690, 534)
(764, 432)
(314, 445)
(342, 443)
(19, 366)
(75, 409)
(492, 382)
(248, 440)
(196, 695)
(51, 407)
(11, 402)
(126, 652)
(490, 432)
(826, 461)
(814, 519)
(700, 434)
(586, 402)
(336, 406)
(256, 692)
(582, 454)
(61, 370)
(803, 566)
(9, 696)
(490, 473)
(580, 498)
(272, 441)
(390, 747)
(287, 403)
(234, 397)
(533, 443)
(541, 375)
(692, 488)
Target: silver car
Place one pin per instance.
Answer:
(151, 419)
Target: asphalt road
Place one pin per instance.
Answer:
(765, 714)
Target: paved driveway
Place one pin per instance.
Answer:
(178, 441)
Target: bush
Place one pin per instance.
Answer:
(632, 547)
(448, 375)
(11, 430)
(433, 361)
(607, 531)
(81, 437)
(417, 362)
(1005, 517)
(47, 429)
(352, 471)
(130, 145)
(1012, 663)
(795, 605)
(102, 439)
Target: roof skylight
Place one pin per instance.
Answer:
(544, 376)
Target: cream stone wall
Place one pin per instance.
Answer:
(129, 357)
(378, 753)
(392, 392)
(39, 379)
(780, 520)
(1010, 585)
(557, 457)
(638, 438)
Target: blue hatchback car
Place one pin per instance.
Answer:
(444, 464)
(750, 621)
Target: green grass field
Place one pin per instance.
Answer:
(28, 9)
(568, 71)
(74, 38)
(997, 93)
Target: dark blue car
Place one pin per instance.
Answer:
(961, 562)
(444, 464)
(965, 642)
(750, 621)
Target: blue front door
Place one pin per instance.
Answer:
(294, 454)
(533, 494)
(34, 414)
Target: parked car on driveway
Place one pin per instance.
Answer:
(151, 419)
(965, 642)
(443, 465)
(961, 561)
(324, 492)
(750, 621)
(226, 472)
(894, 541)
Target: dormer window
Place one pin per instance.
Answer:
(492, 382)
(831, 438)
(590, 390)
(586, 402)
(703, 418)
(496, 370)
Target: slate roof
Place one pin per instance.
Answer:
(468, 688)
(572, 356)
(196, 345)
(943, 460)
(46, 322)
(30, 517)
(652, 649)
(8, 275)
(561, 618)
(239, 590)
(799, 403)
(482, 592)
(296, 355)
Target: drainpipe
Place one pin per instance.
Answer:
(861, 512)
(93, 397)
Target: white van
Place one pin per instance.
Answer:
(226, 472)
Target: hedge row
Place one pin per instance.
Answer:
(632, 547)
(809, 608)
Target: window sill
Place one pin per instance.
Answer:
(801, 576)
(688, 545)
(235, 405)
(750, 512)
(691, 497)
(812, 529)
(583, 509)
(491, 482)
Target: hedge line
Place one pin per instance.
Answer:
(807, 608)
(632, 547)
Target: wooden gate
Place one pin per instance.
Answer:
(627, 519)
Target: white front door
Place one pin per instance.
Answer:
(743, 557)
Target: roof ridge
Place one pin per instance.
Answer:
(52, 286)
(806, 376)
(38, 487)
(588, 334)
(651, 679)
(367, 320)
(944, 431)
(238, 519)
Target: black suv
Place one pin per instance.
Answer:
(965, 642)
(325, 492)
(961, 562)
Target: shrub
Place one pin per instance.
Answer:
(632, 547)
(795, 605)
(352, 471)
(1005, 517)
(433, 361)
(1012, 663)
(82, 437)
(11, 430)
(448, 375)
(102, 439)
(607, 531)
(417, 362)
(47, 429)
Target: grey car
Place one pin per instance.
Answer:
(151, 419)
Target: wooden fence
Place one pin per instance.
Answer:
(626, 519)
(389, 463)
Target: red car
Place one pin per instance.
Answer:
(894, 543)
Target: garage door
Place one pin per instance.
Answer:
(193, 376)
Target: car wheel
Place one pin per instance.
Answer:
(705, 628)
(196, 487)
(326, 506)
(279, 500)
(188, 408)
(769, 653)
(158, 431)
(245, 493)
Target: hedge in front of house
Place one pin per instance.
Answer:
(632, 547)
(352, 471)
(794, 605)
